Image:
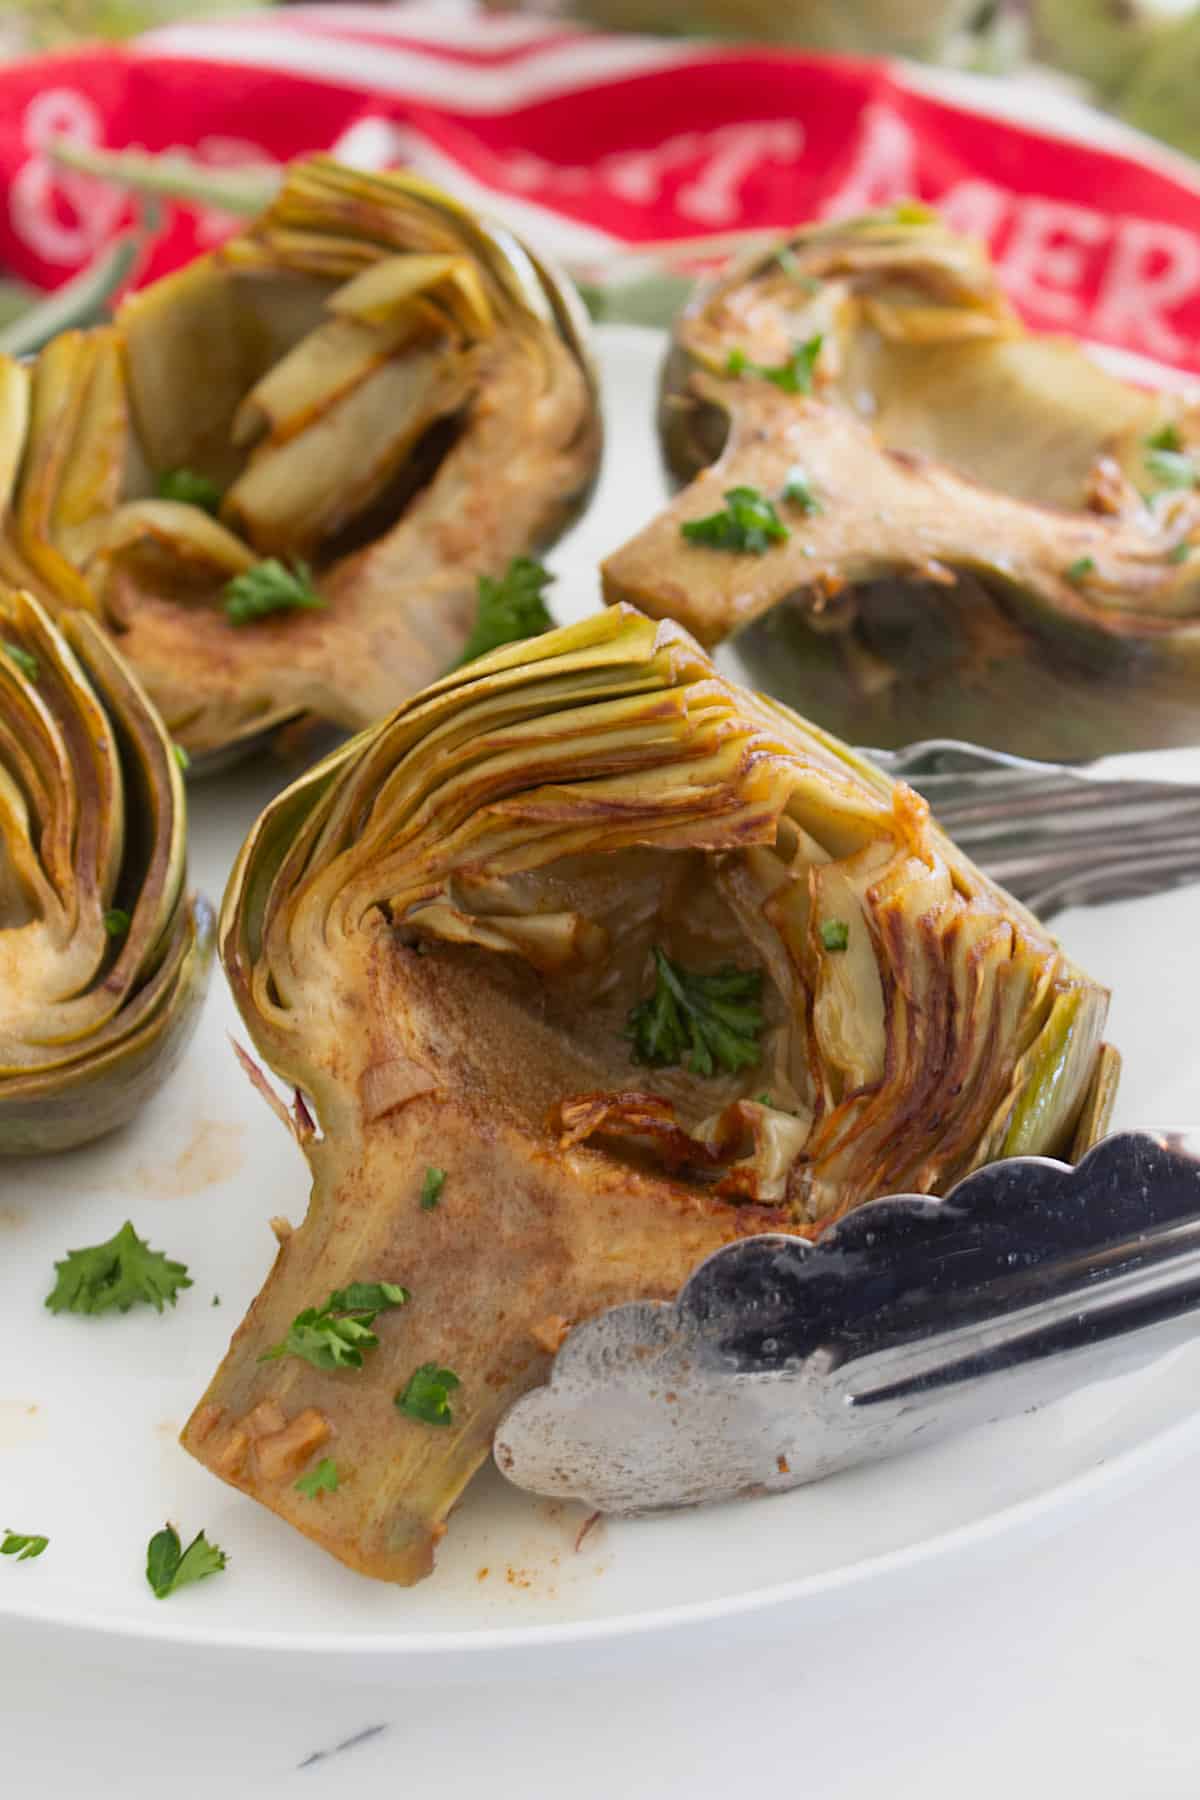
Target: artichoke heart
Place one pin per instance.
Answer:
(103, 956)
(370, 388)
(584, 963)
(983, 533)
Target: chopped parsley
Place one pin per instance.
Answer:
(192, 489)
(798, 490)
(181, 757)
(169, 1567)
(24, 660)
(321, 1480)
(712, 1021)
(835, 934)
(335, 1335)
(431, 1188)
(1080, 569)
(795, 376)
(119, 1274)
(1180, 552)
(1171, 468)
(24, 1546)
(427, 1395)
(1165, 438)
(509, 608)
(270, 587)
(749, 522)
(116, 921)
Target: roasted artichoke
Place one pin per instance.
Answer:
(103, 957)
(981, 532)
(277, 477)
(584, 963)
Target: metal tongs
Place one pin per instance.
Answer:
(913, 1318)
(782, 1362)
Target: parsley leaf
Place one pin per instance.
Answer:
(192, 489)
(24, 659)
(798, 489)
(795, 376)
(182, 758)
(427, 1396)
(169, 1567)
(1165, 438)
(1080, 569)
(116, 921)
(835, 934)
(21, 1545)
(117, 1274)
(335, 1335)
(1180, 552)
(431, 1188)
(509, 609)
(270, 587)
(1171, 468)
(321, 1480)
(713, 1019)
(749, 522)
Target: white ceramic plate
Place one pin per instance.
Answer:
(90, 1408)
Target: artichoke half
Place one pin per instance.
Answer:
(103, 957)
(584, 963)
(983, 534)
(278, 476)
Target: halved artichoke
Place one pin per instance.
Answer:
(103, 957)
(455, 935)
(378, 395)
(984, 534)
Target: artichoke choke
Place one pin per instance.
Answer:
(584, 963)
(351, 411)
(103, 957)
(984, 535)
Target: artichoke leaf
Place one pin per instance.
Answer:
(441, 936)
(103, 956)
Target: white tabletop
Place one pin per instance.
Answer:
(1046, 1663)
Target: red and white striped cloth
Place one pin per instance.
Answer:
(587, 143)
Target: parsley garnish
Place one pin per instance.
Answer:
(1171, 468)
(24, 659)
(1080, 569)
(431, 1188)
(270, 587)
(795, 376)
(1165, 438)
(321, 1480)
(168, 1567)
(749, 522)
(798, 489)
(509, 609)
(335, 1335)
(116, 921)
(835, 934)
(117, 1274)
(427, 1396)
(21, 1545)
(1180, 553)
(714, 1019)
(192, 489)
(182, 758)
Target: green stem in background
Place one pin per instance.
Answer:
(80, 301)
(173, 175)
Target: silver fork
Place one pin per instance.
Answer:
(1055, 836)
